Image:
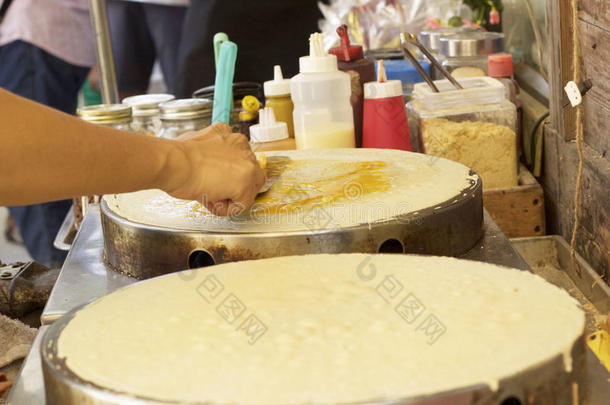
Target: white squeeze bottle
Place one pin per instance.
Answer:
(321, 95)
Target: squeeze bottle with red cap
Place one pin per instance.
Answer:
(323, 116)
(361, 70)
(385, 116)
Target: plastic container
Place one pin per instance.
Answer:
(404, 71)
(385, 118)
(323, 115)
(465, 54)
(475, 126)
(184, 115)
(270, 134)
(145, 112)
(117, 116)
(277, 96)
(361, 70)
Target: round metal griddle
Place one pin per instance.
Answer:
(543, 383)
(447, 228)
(143, 251)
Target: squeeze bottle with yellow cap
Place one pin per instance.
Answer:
(248, 116)
(321, 95)
(277, 94)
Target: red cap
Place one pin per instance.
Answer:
(346, 51)
(500, 65)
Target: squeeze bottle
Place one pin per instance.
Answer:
(385, 117)
(323, 115)
(361, 70)
(277, 95)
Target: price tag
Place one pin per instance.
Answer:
(573, 93)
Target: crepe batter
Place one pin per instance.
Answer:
(316, 189)
(327, 329)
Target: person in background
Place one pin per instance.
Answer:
(46, 50)
(267, 33)
(140, 34)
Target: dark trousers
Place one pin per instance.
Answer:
(141, 33)
(32, 73)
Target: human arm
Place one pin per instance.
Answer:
(46, 155)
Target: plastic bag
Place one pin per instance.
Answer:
(378, 23)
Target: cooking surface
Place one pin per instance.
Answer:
(349, 187)
(280, 327)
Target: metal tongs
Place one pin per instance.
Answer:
(408, 38)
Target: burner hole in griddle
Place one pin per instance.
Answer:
(200, 258)
(391, 246)
(510, 401)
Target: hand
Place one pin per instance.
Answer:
(218, 169)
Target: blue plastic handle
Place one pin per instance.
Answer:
(221, 111)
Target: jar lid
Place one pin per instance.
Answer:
(431, 38)
(500, 65)
(105, 113)
(186, 108)
(145, 105)
(474, 43)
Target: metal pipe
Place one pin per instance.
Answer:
(103, 49)
(412, 39)
(415, 63)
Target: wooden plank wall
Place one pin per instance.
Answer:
(561, 159)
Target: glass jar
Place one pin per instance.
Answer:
(145, 112)
(184, 115)
(240, 90)
(117, 116)
(465, 54)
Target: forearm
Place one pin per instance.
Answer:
(47, 155)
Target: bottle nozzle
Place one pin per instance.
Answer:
(267, 129)
(345, 44)
(381, 74)
(277, 73)
(266, 117)
(316, 46)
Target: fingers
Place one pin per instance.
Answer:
(219, 129)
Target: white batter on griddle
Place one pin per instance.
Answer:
(330, 338)
(417, 181)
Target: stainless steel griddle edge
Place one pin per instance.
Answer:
(84, 276)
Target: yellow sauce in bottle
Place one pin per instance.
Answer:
(282, 108)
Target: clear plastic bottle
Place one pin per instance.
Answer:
(323, 116)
